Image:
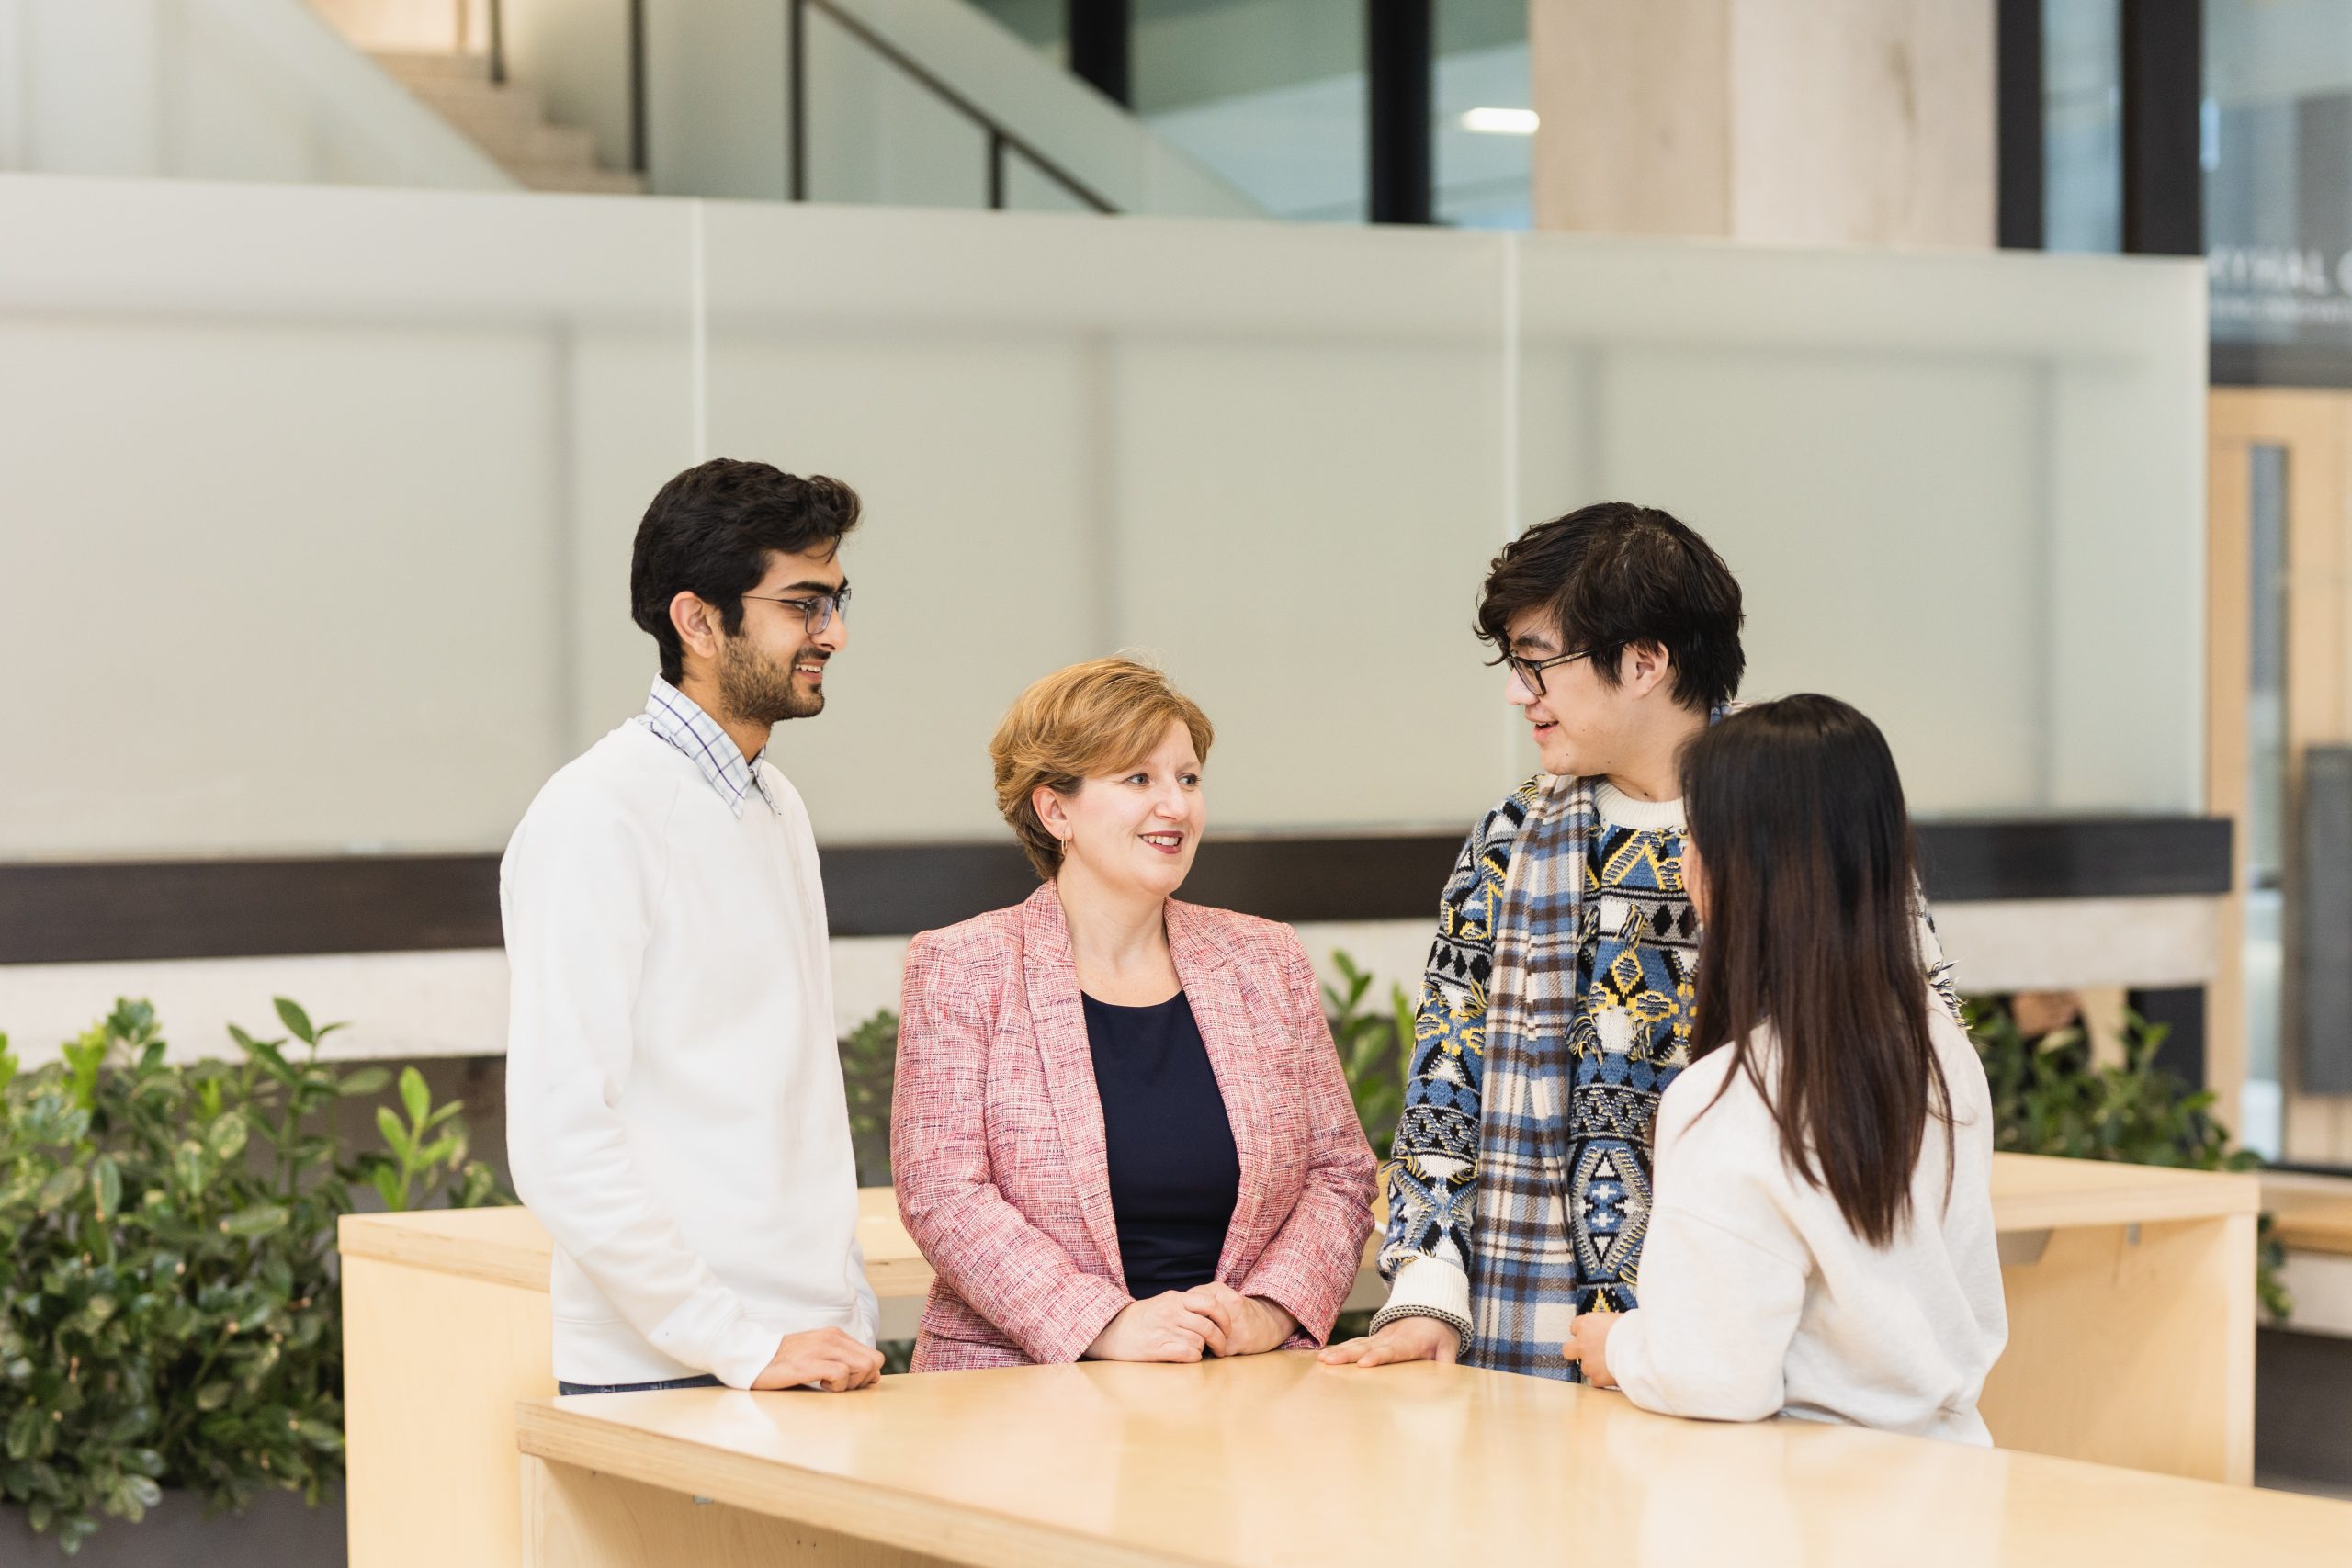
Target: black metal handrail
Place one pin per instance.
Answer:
(497, 39)
(1002, 142)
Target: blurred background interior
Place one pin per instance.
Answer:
(2004, 348)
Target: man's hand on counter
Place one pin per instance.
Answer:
(1406, 1339)
(822, 1357)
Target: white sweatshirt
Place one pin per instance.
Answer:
(674, 1108)
(1757, 1299)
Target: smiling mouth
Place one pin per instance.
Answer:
(1169, 841)
(814, 670)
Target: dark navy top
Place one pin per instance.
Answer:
(1174, 1173)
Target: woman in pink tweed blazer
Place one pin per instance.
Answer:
(1004, 1157)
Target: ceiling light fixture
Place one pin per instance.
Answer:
(1501, 122)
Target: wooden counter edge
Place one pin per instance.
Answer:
(545, 1431)
(2312, 1213)
(2087, 1193)
(495, 1261)
(2327, 1236)
(2116, 1194)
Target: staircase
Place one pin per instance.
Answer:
(506, 120)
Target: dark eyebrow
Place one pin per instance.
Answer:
(811, 586)
(1534, 642)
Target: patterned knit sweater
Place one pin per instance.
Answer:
(1629, 1040)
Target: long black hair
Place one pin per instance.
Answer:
(1812, 928)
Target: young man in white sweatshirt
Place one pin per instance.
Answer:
(674, 1108)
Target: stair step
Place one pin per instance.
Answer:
(508, 121)
(535, 144)
(481, 103)
(434, 67)
(573, 177)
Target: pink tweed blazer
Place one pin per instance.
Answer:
(996, 1133)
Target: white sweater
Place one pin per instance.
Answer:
(1757, 1299)
(674, 1108)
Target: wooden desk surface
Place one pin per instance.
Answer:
(2030, 1192)
(1275, 1460)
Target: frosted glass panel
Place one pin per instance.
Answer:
(1962, 492)
(1029, 188)
(878, 135)
(1271, 457)
(293, 479)
(319, 502)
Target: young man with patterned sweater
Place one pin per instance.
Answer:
(1558, 1004)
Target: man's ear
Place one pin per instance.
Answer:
(696, 624)
(1644, 667)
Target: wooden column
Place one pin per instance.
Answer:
(1787, 121)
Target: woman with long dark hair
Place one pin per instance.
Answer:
(1821, 1243)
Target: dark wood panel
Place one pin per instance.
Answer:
(2074, 857)
(230, 908)
(54, 913)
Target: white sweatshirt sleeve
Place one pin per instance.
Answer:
(1711, 1338)
(1722, 1270)
(578, 891)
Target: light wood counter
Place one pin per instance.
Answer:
(2313, 1222)
(2312, 1213)
(2031, 1193)
(2131, 1296)
(1274, 1461)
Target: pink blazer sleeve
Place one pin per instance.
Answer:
(1310, 1264)
(986, 1250)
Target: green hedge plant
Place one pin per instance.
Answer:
(172, 1309)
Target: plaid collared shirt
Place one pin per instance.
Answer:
(679, 719)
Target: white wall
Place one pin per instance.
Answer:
(315, 504)
(217, 90)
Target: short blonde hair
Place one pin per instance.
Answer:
(1091, 719)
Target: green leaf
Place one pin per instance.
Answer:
(297, 1021)
(480, 1186)
(226, 1137)
(388, 1186)
(214, 1395)
(264, 1052)
(414, 1096)
(319, 1433)
(367, 1080)
(30, 1433)
(105, 1175)
(437, 1151)
(256, 1220)
(395, 1135)
(61, 1188)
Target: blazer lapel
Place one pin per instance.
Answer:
(1058, 1019)
(1213, 992)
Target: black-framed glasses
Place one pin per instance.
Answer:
(818, 611)
(1530, 671)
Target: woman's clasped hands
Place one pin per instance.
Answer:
(1181, 1325)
